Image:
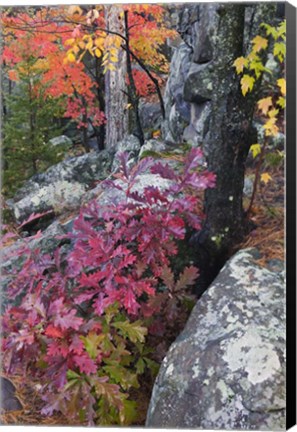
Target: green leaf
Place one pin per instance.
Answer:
(140, 366)
(122, 376)
(72, 375)
(279, 50)
(91, 343)
(270, 31)
(133, 331)
(152, 365)
(281, 102)
(129, 413)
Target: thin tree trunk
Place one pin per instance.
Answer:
(115, 99)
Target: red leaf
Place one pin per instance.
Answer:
(85, 364)
(53, 331)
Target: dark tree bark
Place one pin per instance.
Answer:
(133, 98)
(229, 134)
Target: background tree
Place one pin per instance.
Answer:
(230, 135)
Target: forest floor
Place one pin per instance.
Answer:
(267, 236)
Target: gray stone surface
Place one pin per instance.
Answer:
(61, 140)
(12, 257)
(9, 401)
(150, 116)
(61, 186)
(130, 145)
(227, 368)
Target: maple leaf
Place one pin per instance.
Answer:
(247, 84)
(279, 50)
(259, 43)
(265, 177)
(271, 129)
(282, 85)
(240, 63)
(281, 102)
(265, 104)
(255, 149)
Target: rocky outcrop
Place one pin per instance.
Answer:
(61, 186)
(227, 368)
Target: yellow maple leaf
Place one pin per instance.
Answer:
(265, 104)
(259, 43)
(273, 113)
(74, 10)
(71, 57)
(69, 41)
(265, 177)
(255, 149)
(282, 85)
(270, 127)
(240, 63)
(247, 84)
(281, 102)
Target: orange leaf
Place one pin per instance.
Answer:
(259, 43)
(265, 177)
(265, 104)
(240, 63)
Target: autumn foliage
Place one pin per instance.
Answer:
(78, 320)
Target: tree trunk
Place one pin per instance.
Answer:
(229, 134)
(115, 99)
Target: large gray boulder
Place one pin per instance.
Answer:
(227, 368)
(62, 186)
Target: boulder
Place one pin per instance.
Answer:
(9, 401)
(198, 86)
(108, 195)
(61, 186)
(150, 116)
(61, 140)
(131, 145)
(227, 368)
